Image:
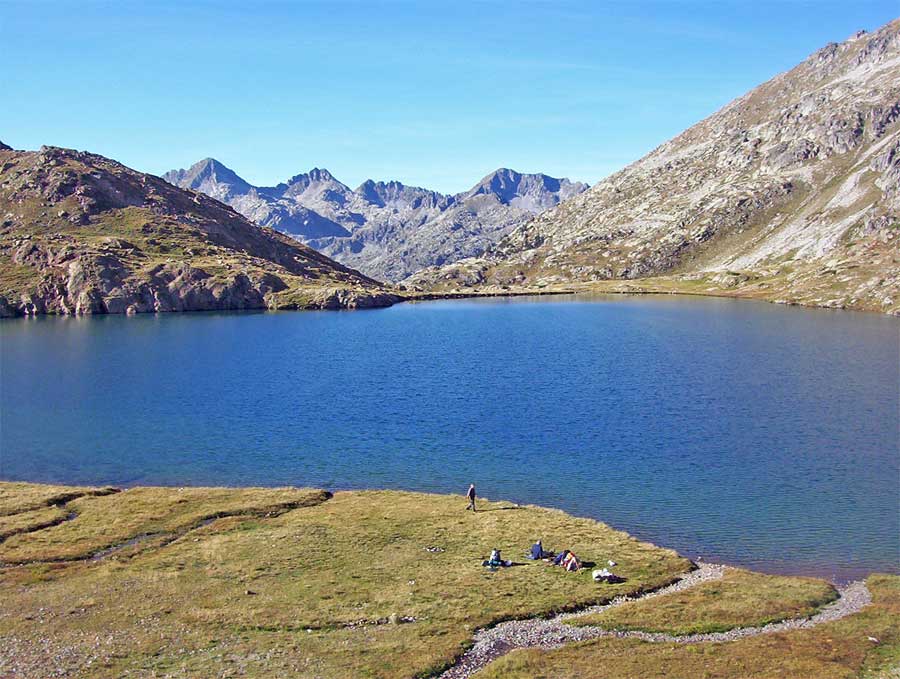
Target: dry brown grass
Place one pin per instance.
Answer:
(30, 520)
(345, 588)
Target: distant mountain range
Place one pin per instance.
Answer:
(387, 230)
(790, 192)
(83, 234)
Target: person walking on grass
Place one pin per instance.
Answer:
(471, 497)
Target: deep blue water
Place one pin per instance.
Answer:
(756, 434)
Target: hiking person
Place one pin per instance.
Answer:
(471, 497)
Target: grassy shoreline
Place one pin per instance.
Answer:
(261, 582)
(640, 286)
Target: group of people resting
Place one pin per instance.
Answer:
(565, 558)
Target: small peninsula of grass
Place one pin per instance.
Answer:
(107, 520)
(343, 587)
(740, 599)
(18, 497)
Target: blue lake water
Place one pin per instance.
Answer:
(757, 434)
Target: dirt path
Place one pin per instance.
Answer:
(553, 632)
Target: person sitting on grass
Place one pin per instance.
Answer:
(567, 560)
(496, 560)
(557, 561)
(537, 552)
(571, 563)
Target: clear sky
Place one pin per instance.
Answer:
(431, 94)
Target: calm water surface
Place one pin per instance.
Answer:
(746, 432)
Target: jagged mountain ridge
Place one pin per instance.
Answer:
(388, 230)
(260, 205)
(790, 192)
(83, 234)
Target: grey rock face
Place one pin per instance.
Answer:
(263, 206)
(796, 173)
(210, 177)
(385, 229)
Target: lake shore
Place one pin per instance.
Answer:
(340, 300)
(268, 581)
(663, 285)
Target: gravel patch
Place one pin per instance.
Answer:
(548, 633)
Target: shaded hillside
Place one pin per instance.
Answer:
(80, 233)
(386, 229)
(791, 192)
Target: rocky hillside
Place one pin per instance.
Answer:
(80, 234)
(385, 229)
(789, 193)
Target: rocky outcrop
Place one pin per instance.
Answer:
(342, 298)
(386, 229)
(789, 193)
(82, 234)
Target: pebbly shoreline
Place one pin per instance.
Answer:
(549, 633)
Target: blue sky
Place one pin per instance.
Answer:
(431, 94)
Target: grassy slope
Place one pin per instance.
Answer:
(143, 224)
(812, 285)
(838, 650)
(740, 599)
(313, 573)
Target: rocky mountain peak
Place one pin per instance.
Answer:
(314, 182)
(315, 175)
(4, 147)
(390, 229)
(211, 177)
(398, 195)
(502, 183)
(531, 192)
(320, 175)
(375, 192)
